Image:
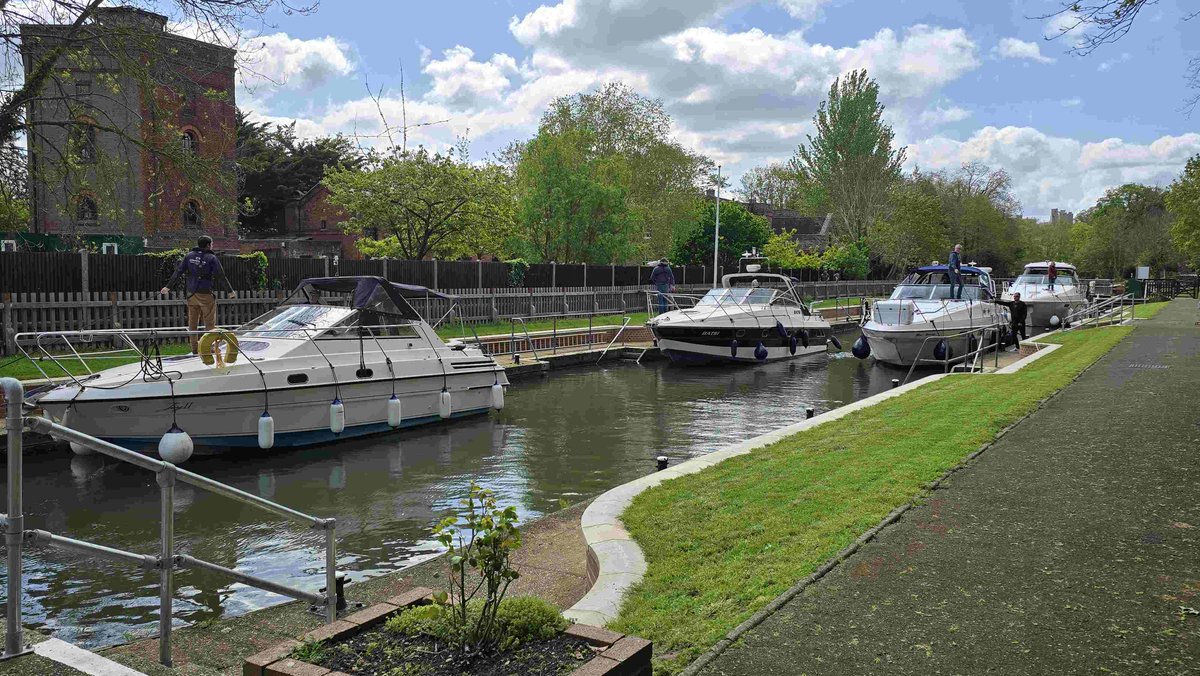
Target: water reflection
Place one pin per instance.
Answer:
(569, 436)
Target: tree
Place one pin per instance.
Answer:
(1045, 241)
(782, 188)
(1183, 201)
(741, 231)
(784, 251)
(14, 192)
(572, 204)
(914, 230)
(275, 167)
(1094, 24)
(1129, 226)
(851, 157)
(423, 204)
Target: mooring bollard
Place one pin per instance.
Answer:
(516, 357)
(809, 412)
(895, 383)
(662, 462)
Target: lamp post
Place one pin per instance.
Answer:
(717, 235)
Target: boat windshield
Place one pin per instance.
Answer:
(1040, 278)
(297, 321)
(738, 296)
(714, 297)
(934, 292)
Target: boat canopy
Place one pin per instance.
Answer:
(966, 269)
(366, 293)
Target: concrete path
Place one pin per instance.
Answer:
(1072, 546)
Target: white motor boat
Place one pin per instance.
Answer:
(1049, 306)
(752, 317)
(340, 357)
(922, 321)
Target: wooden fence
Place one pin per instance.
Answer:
(92, 311)
(31, 272)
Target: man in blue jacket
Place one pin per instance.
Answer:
(664, 280)
(202, 268)
(955, 268)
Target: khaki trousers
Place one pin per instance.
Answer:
(201, 309)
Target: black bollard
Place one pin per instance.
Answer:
(662, 462)
(517, 358)
(895, 383)
(809, 412)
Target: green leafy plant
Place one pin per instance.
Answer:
(312, 652)
(519, 620)
(517, 268)
(260, 272)
(481, 539)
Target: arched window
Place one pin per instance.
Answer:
(191, 214)
(85, 210)
(190, 142)
(83, 140)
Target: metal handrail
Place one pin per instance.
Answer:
(614, 339)
(167, 560)
(982, 346)
(528, 340)
(1100, 309)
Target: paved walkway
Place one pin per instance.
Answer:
(1072, 546)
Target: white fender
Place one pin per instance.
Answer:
(394, 412)
(266, 431)
(444, 408)
(497, 396)
(175, 446)
(337, 416)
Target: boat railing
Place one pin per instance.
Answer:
(168, 559)
(977, 341)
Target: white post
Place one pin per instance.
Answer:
(717, 234)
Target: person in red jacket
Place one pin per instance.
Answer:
(1052, 274)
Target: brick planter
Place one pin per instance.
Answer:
(620, 655)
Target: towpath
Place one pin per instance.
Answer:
(1070, 546)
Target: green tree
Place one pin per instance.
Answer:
(1129, 226)
(851, 260)
(572, 205)
(1045, 241)
(1183, 201)
(14, 193)
(422, 204)
(783, 188)
(851, 158)
(914, 230)
(741, 231)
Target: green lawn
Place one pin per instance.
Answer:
(504, 328)
(24, 369)
(835, 302)
(1148, 310)
(720, 544)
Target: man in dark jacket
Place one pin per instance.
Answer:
(955, 268)
(203, 269)
(664, 280)
(1017, 311)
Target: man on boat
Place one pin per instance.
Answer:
(202, 268)
(1052, 274)
(1017, 311)
(955, 269)
(664, 280)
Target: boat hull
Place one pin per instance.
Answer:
(900, 347)
(705, 344)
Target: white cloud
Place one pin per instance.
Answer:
(1107, 65)
(943, 115)
(1012, 48)
(460, 80)
(600, 26)
(1051, 171)
(805, 10)
(926, 58)
(278, 60)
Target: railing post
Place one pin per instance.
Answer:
(330, 570)
(14, 531)
(166, 561)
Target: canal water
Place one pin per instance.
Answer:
(560, 439)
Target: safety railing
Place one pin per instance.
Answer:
(1112, 310)
(168, 560)
(977, 344)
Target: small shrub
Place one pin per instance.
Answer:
(432, 620)
(527, 618)
(312, 652)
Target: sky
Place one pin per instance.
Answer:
(961, 81)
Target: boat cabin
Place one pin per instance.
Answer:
(932, 282)
(757, 289)
(1035, 274)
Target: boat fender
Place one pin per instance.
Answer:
(861, 348)
(733, 348)
(444, 409)
(780, 330)
(205, 347)
(498, 396)
(1054, 320)
(760, 352)
(833, 340)
(175, 446)
(394, 412)
(337, 416)
(792, 345)
(266, 431)
(78, 449)
(804, 337)
(941, 350)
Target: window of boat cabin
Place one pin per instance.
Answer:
(296, 321)
(714, 297)
(1039, 277)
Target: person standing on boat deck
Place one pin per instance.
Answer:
(664, 280)
(1017, 311)
(203, 268)
(1052, 274)
(955, 269)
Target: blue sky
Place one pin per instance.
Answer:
(742, 78)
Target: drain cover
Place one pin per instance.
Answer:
(1137, 365)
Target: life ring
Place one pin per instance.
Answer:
(206, 347)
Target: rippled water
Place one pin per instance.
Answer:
(560, 439)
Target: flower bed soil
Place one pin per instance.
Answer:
(379, 652)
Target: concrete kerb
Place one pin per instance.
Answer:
(618, 558)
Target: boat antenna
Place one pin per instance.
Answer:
(717, 234)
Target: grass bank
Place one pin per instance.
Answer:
(835, 302)
(1149, 309)
(504, 328)
(720, 544)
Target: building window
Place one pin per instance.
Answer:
(191, 214)
(8, 245)
(190, 143)
(85, 210)
(83, 88)
(322, 223)
(83, 140)
(108, 248)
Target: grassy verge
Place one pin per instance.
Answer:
(22, 368)
(722, 543)
(835, 302)
(504, 328)
(1149, 309)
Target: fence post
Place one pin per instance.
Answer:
(553, 274)
(10, 331)
(326, 259)
(585, 275)
(479, 269)
(613, 270)
(435, 276)
(83, 270)
(704, 274)
(383, 268)
(116, 315)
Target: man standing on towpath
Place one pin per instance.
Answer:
(202, 268)
(1017, 311)
(664, 280)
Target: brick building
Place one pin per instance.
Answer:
(312, 228)
(125, 85)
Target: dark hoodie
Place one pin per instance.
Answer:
(661, 274)
(202, 268)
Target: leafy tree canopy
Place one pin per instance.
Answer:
(741, 231)
(1183, 200)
